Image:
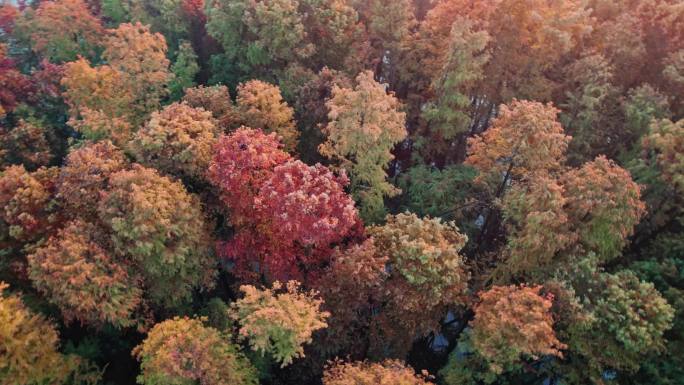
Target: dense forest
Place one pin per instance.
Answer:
(341, 192)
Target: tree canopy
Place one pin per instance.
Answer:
(341, 192)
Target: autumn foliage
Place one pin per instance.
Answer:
(15, 85)
(26, 144)
(241, 164)
(215, 99)
(29, 343)
(665, 139)
(343, 192)
(156, 224)
(25, 199)
(513, 321)
(280, 320)
(85, 175)
(260, 105)
(140, 56)
(427, 275)
(604, 203)
(351, 287)
(99, 106)
(178, 141)
(288, 214)
(84, 280)
(365, 124)
(307, 205)
(525, 138)
(62, 30)
(184, 350)
(367, 373)
(28, 348)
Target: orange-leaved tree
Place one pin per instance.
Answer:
(512, 323)
(87, 283)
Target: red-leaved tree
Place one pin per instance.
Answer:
(300, 212)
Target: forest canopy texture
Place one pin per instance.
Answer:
(341, 192)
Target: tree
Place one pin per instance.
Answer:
(388, 24)
(215, 99)
(634, 312)
(225, 25)
(525, 142)
(85, 175)
(184, 69)
(365, 125)
(428, 275)
(333, 28)
(604, 206)
(242, 162)
(552, 220)
(185, 351)
(141, 57)
(26, 198)
(352, 289)
(83, 279)
(533, 39)
(663, 271)
(625, 321)
(260, 105)
(164, 16)
(425, 253)
(512, 323)
(539, 227)
(278, 321)
(525, 138)
(28, 346)
(448, 115)
(424, 53)
(14, 86)
(178, 140)
(62, 30)
(666, 140)
(259, 38)
(8, 15)
(438, 193)
(588, 93)
(299, 212)
(388, 372)
(528, 152)
(643, 104)
(312, 112)
(155, 223)
(278, 32)
(530, 39)
(25, 144)
(307, 204)
(100, 104)
(673, 73)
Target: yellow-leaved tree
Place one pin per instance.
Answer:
(365, 124)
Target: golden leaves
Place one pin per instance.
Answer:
(260, 105)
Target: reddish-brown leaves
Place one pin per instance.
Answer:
(85, 281)
(514, 322)
(242, 162)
